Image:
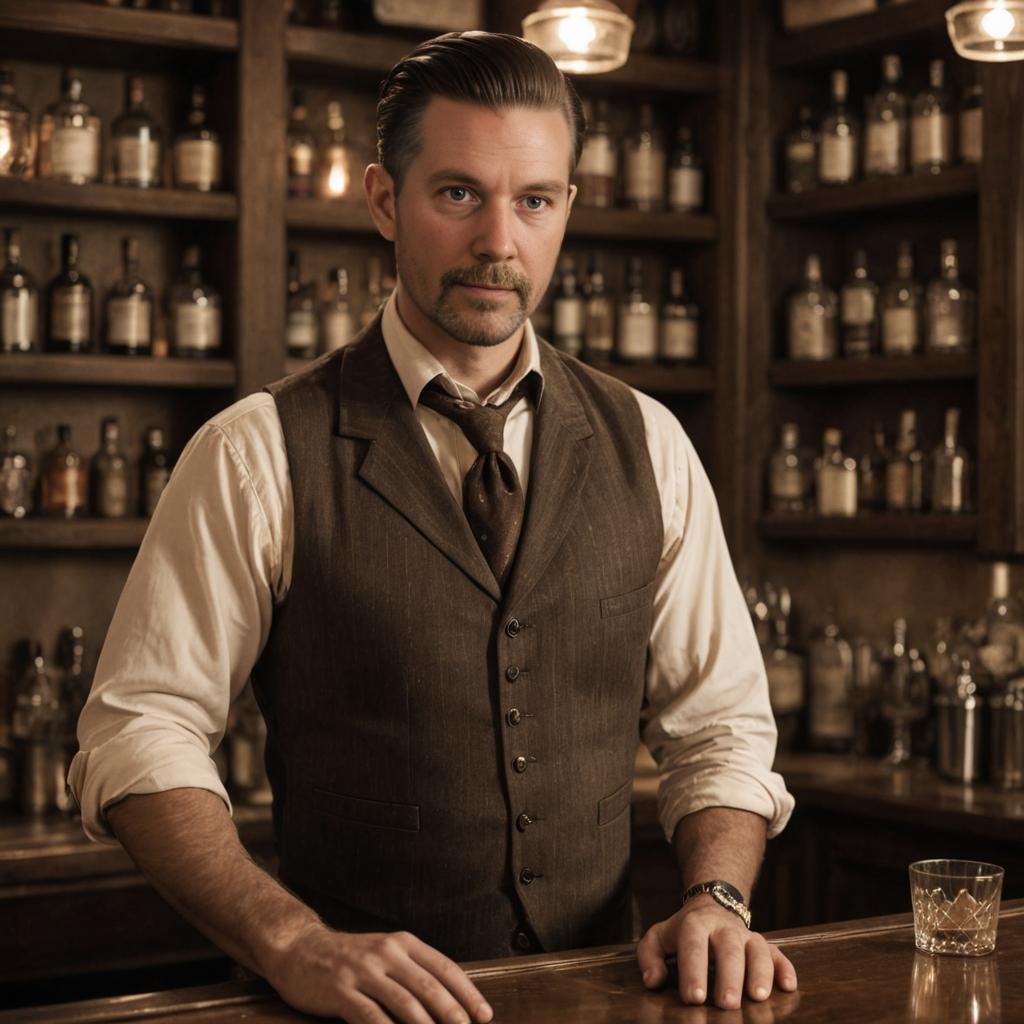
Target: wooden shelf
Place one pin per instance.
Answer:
(116, 371)
(41, 534)
(665, 380)
(841, 373)
(875, 194)
(329, 215)
(879, 528)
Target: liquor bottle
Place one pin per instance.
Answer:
(332, 14)
(905, 693)
(951, 468)
(74, 689)
(595, 175)
(301, 328)
(154, 471)
(374, 291)
(901, 307)
(885, 124)
(69, 302)
(647, 33)
(194, 312)
(931, 124)
(64, 479)
(787, 676)
(859, 310)
(837, 152)
(969, 136)
(301, 147)
(904, 472)
(801, 154)
(871, 472)
(34, 725)
(336, 157)
(789, 473)
(197, 154)
(680, 27)
(337, 322)
(17, 142)
(19, 300)
(569, 310)
(812, 315)
(830, 663)
(949, 307)
(644, 164)
(109, 471)
(15, 478)
(130, 307)
(836, 477)
(679, 340)
(136, 140)
(685, 174)
(638, 320)
(69, 136)
(1003, 649)
(598, 317)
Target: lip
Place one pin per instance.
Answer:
(485, 290)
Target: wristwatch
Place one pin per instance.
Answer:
(721, 892)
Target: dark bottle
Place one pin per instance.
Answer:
(110, 474)
(15, 478)
(301, 149)
(74, 689)
(197, 149)
(64, 481)
(680, 27)
(599, 319)
(647, 31)
(19, 301)
(154, 471)
(130, 307)
(597, 169)
(69, 302)
(301, 327)
(569, 310)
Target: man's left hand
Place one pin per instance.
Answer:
(743, 959)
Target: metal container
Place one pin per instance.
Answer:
(960, 720)
(1006, 726)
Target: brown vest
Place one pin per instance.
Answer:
(445, 758)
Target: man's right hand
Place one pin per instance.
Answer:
(359, 976)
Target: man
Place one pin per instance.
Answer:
(455, 625)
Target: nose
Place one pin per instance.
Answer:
(494, 241)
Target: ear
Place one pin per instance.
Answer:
(573, 192)
(380, 198)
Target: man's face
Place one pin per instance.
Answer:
(480, 219)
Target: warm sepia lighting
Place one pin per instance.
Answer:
(337, 180)
(987, 30)
(584, 38)
(998, 23)
(577, 31)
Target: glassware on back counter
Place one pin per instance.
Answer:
(15, 478)
(17, 138)
(905, 693)
(830, 663)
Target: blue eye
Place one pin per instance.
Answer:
(540, 200)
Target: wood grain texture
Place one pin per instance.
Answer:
(864, 528)
(841, 373)
(44, 534)
(116, 371)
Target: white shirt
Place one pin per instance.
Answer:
(196, 611)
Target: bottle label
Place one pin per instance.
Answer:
(882, 153)
(785, 685)
(808, 334)
(638, 336)
(128, 319)
(858, 306)
(137, 160)
(339, 330)
(831, 712)
(679, 339)
(838, 158)
(945, 331)
(153, 485)
(930, 139)
(837, 491)
(64, 490)
(897, 485)
(899, 331)
(970, 135)
(112, 496)
(598, 157)
(801, 151)
(197, 164)
(787, 484)
(69, 312)
(15, 491)
(645, 174)
(948, 485)
(196, 328)
(75, 152)
(20, 320)
(568, 317)
(686, 188)
(301, 331)
(300, 159)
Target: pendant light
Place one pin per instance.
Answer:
(587, 37)
(988, 30)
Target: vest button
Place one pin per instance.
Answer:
(523, 821)
(512, 673)
(514, 716)
(522, 941)
(512, 628)
(519, 764)
(526, 876)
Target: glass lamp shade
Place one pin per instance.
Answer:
(987, 30)
(588, 37)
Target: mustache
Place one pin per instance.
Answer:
(494, 276)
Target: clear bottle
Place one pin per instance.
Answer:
(1003, 650)
(69, 302)
(17, 139)
(336, 157)
(685, 174)
(904, 693)
(109, 471)
(901, 307)
(904, 472)
(789, 473)
(885, 124)
(644, 164)
(154, 471)
(949, 307)
(801, 154)
(858, 303)
(830, 664)
(596, 170)
(840, 137)
(598, 317)
(679, 340)
(812, 315)
(951, 470)
(637, 320)
(194, 309)
(786, 669)
(836, 473)
(15, 478)
(130, 307)
(35, 726)
(931, 124)
(19, 300)
(301, 148)
(69, 136)
(871, 472)
(969, 137)
(137, 140)
(337, 322)
(64, 479)
(198, 153)
(569, 311)
(301, 327)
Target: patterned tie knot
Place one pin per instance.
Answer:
(483, 425)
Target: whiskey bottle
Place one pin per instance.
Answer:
(787, 676)
(596, 170)
(154, 471)
(801, 154)
(137, 140)
(871, 472)
(680, 27)
(598, 318)
(679, 340)
(569, 311)
(644, 162)
(109, 470)
(949, 307)
(336, 320)
(130, 307)
(17, 141)
(336, 157)
(969, 135)
(685, 175)
(885, 124)
(904, 472)
(901, 307)
(837, 153)
(812, 315)
(836, 477)
(830, 663)
(19, 300)
(1003, 650)
(74, 690)
(34, 725)
(859, 310)
(194, 310)
(69, 301)
(15, 478)
(789, 473)
(951, 469)
(638, 320)
(64, 480)
(197, 155)
(931, 124)
(69, 136)
(301, 147)
(301, 328)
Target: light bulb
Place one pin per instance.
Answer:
(577, 31)
(998, 23)
(337, 180)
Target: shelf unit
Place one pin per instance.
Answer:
(116, 371)
(69, 534)
(960, 530)
(843, 373)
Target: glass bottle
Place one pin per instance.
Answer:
(812, 314)
(17, 140)
(644, 164)
(830, 664)
(789, 473)
(34, 726)
(198, 153)
(15, 478)
(301, 327)
(136, 140)
(787, 676)
(638, 320)
(69, 136)
(680, 323)
(680, 26)
(931, 124)
(901, 307)
(337, 322)
(858, 304)
(596, 169)
(949, 307)
(19, 300)
(871, 472)
(837, 153)
(969, 136)
(74, 689)
(685, 174)
(130, 307)
(905, 695)
(569, 310)
(110, 474)
(801, 154)
(195, 315)
(598, 317)
(836, 482)
(951, 468)
(336, 157)
(904, 472)
(374, 291)
(301, 146)
(154, 471)
(885, 124)
(1003, 650)
(69, 302)
(64, 479)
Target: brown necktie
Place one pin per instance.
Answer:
(491, 493)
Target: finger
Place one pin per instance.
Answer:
(434, 996)
(730, 966)
(358, 1009)
(650, 957)
(692, 962)
(785, 972)
(453, 977)
(760, 968)
(396, 999)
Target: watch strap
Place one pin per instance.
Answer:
(724, 894)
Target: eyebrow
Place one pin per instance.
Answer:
(453, 174)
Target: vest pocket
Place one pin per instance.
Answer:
(619, 604)
(610, 807)
(378, 813)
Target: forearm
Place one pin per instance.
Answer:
(720, 842)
